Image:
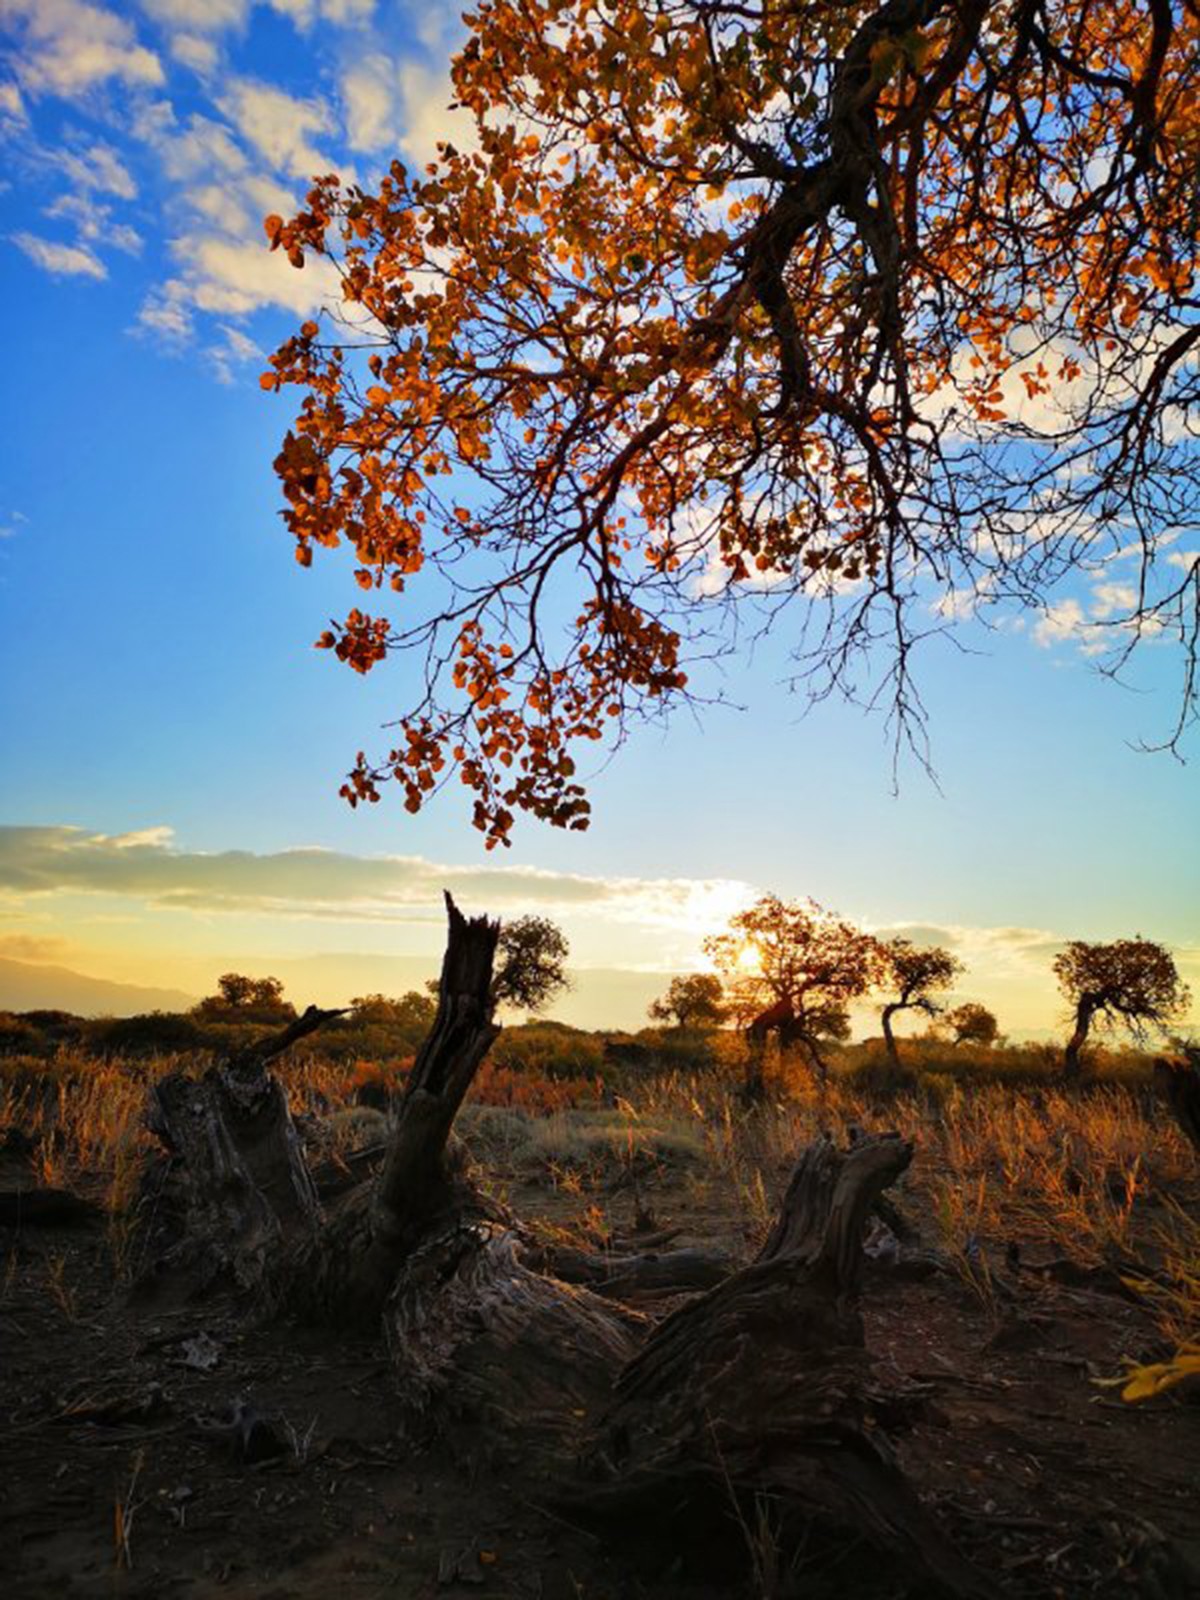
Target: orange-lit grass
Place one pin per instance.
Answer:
(1091, 1174)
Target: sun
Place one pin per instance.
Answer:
(749, 959)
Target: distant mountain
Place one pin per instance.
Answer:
(25, 986)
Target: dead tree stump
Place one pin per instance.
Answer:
(1179, 1084)
(755, 1399)
(247, 1192)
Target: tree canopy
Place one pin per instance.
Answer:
(878, 310)
(915, 974)
(972, 1023)
(1131, 983)
(795, 955)
(531, 956)
(694, 1001)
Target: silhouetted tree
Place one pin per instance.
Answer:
(1131, 983)
(530, 963)
(972, 1023)
(695, 1001)
(800, 963)
(915, 973)
(242, 999)
(413, 1012)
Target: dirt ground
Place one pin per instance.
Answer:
(125, 1470)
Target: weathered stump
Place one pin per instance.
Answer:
(1178, 1081)
(247, 1192)
(756, 1398)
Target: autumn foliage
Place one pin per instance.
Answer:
(882, 310)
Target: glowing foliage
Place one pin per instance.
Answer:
(870, 305)
(810, 961)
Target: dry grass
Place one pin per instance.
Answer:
(1090, 1173)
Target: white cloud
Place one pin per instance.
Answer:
(190, 50)
(198, 16)
(146, 866)
(1110, 598)
(204, 149)
(63, 260)
(68, 47)
(279, 126)
(98, 167)
(234, 349)
(12, 107)
(94, 224)
(370, 96)
(166, 317)
(425, 96)
(235, 277)
(1063, 620)
(343, 13)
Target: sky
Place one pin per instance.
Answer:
(173, 745)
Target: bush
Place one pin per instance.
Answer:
(151, 1034)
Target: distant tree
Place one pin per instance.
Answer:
(972, 1023)
(695, 1001)
(914, 973)
(242, 999)
(413, 1012)
(412, 1015)
(1131, 983)
(800, 963)
(530, 963)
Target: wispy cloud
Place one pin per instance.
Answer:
(63, 260)
(146, 866)
(68, 47)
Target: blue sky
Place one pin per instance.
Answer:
(160, 693)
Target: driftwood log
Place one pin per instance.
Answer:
(753, 1398)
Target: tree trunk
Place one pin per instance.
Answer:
(819, 1065)
(247, 1192)
(347, 1273)
(889, 1038)
(1083, 1022)
(756, 1397)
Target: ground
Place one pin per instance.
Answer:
(122, 1473)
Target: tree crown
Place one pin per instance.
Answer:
(793, 952)
(1130, 981)
(694, 1001)
(887, 307)
(531, 961)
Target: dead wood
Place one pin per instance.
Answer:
(630, 1276)
(755, 1393)
(246, 1189)
(1178, 1081)
(478, 1335)
(759, 1394)
(347, 1273)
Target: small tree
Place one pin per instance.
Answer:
(915, 974)
(1131, 983)
(412, 1013)
(242, 999)
(696, 1001)
(800, 962)
(972, 1023)
(530, 964)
